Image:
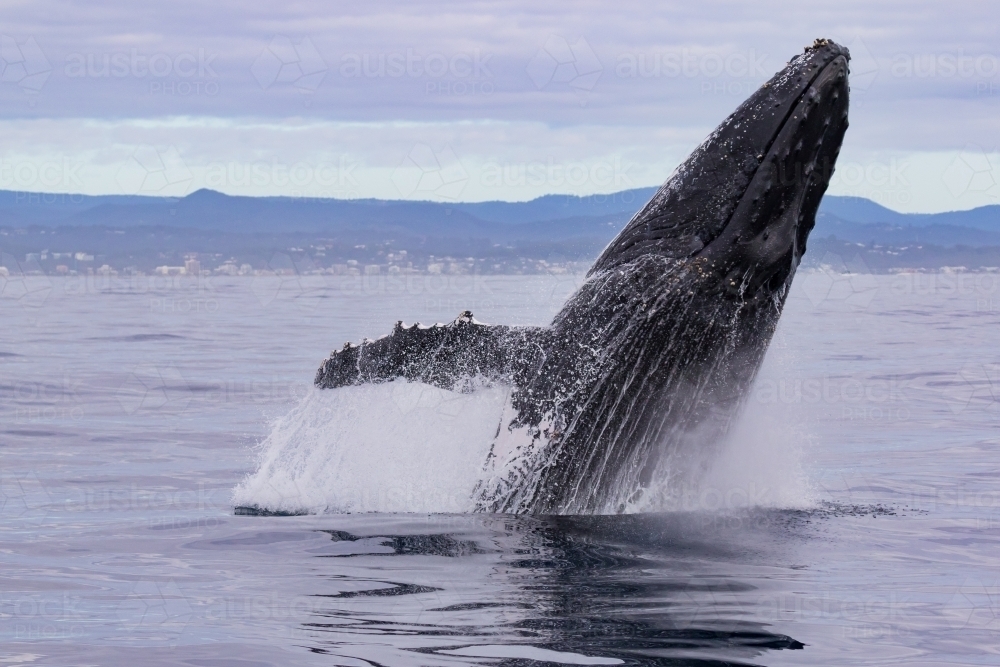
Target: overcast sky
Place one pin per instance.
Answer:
(476, 100)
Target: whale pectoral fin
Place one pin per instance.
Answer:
(441, 355)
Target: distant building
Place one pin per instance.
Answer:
(192, 267)
(170, 270)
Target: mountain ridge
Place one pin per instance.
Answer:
(210, 210)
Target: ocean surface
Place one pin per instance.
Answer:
(852, 518)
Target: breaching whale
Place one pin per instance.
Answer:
(654, 353)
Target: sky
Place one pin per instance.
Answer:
(473, 101)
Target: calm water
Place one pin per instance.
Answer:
(854, 519)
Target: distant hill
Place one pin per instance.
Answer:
(866, 212)
(149, 231)
(904, 234)
(849, 218)
(213, 211)
(560, 207)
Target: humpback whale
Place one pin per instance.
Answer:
(655, 352)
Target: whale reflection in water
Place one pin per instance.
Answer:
(636, 589)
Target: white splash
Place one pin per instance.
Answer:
(758, 465)
(760, 462)
(394, 447)
(410, 447)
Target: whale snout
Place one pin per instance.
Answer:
(745, 200)
(765, 237)
(800, 167)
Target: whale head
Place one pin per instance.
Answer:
(743, 204)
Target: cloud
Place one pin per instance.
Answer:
(673, 69)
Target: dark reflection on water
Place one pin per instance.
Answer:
(637, 590)
(416, 545)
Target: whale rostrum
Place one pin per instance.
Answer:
(655, 352)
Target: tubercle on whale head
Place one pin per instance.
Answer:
(745, 200)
